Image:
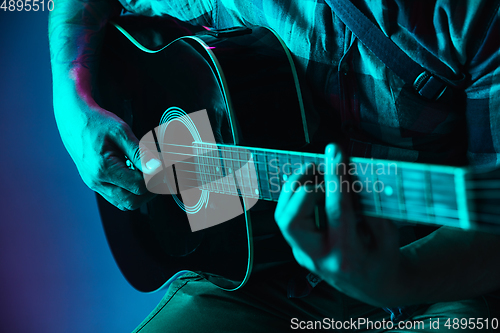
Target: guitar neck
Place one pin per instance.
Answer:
(412, 192)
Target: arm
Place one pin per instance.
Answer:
(96, 139)
(452, 264)
(364, 261)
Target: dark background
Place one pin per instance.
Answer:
(56, 271)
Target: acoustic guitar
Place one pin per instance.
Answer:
(246, 83)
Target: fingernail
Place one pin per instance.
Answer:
(331, 149)
(153, 164)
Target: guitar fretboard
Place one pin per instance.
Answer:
(397, 190)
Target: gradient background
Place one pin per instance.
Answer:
(56, 271)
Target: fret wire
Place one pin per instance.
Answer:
(277, 183)
(245, 182)
(240, 181)
(274, 183)
(279, 176)
(259, 181)
(218, 170)
(234, 170)
(207, 186)
(200, 165)
(266, 165)
(376, 195)
(211, 176)
(212, 165)
(415, 179)
(230, 172)
(211, 168)
(251, 185)
(428, 194)
(207, 169)
(290, 170)
(201, 176)
(268, 158)
(254, 181)
(227, 167)
(197, 167)
(221, 174)
(225, 181)
(207, 181)
(281, 169)
(267, 189)
(260, 175)
(241, 178)
(246, 174)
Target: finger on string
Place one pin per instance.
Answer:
(338, 204)
(292, 184)
(301, 230)
(302, 205)
(333, 184)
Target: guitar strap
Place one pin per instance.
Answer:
(428, 85)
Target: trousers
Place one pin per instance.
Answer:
(192, 304)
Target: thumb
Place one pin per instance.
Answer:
(140, 155)
(332, 182)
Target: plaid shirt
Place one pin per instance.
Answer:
(351, 92)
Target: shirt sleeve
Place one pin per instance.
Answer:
(483, 100)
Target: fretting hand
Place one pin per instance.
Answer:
(361, 259)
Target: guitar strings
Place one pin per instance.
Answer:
(288, 156)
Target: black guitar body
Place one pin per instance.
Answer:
(248, 86)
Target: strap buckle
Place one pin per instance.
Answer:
(429, 86)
